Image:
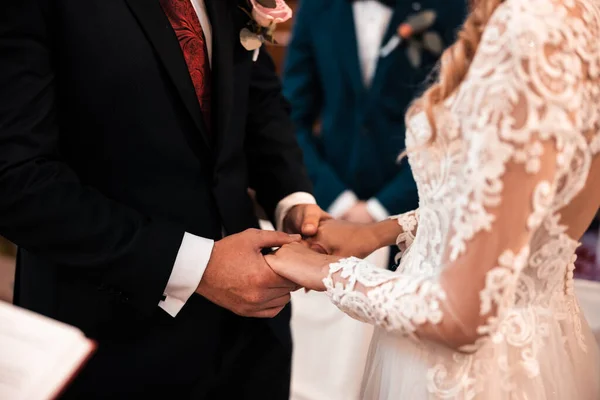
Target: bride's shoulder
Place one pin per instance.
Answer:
(548, 14)
(530, 28)
(542, 6)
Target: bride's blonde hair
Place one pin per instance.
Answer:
(456, 60)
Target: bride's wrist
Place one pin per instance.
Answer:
(385, 233)
(328, 260)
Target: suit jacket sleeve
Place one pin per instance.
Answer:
(275, 162)
(44, 207)
(303, 89)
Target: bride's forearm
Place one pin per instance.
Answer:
(386, 232)
(347, 239)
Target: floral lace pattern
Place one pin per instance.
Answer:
(487, 273)
(394, 304)
(408, 221)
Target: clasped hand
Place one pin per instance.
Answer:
(239, 279)
(307, 263)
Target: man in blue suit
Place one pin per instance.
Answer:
(347, 71)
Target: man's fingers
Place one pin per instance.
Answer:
(268, 313)
(265, 239)
(317, 247)
(316, 243)
(272, 280)
(310, 220)
(278, 301)
(276, 293)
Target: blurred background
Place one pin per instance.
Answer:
(348, 99)
(7, 269)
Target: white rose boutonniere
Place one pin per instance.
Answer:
(264, 17)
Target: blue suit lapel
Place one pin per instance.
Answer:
(346, 44)
(401, 12)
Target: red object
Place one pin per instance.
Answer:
(405, 31)
(186, 25)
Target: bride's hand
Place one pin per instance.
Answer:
(345, 239)
(301, 265)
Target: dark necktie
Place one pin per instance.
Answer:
(191, 38)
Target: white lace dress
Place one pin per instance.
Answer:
(482, 306)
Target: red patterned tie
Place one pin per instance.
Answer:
(191, 38)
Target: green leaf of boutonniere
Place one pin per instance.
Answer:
(422, 21)
(432, 41)
(413, 52)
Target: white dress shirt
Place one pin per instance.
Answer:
(371, 21)
(194, 252)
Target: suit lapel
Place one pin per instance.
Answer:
(346, 44)
(401, 12)
(220, 15)
(399, 15)
(158, 30)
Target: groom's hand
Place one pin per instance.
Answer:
(238, 278)
(347, 239)
(304, 219)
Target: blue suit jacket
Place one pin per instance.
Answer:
(362, 130)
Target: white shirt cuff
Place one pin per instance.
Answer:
(290, 201)
(190, 264)
(377, 211)
(342, 204)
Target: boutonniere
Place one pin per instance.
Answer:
(415, 33)
(264, 17)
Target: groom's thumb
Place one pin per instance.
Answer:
(311, 219)
(266, 239)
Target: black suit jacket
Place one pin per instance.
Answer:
(105, 162)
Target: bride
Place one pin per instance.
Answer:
(504, 149)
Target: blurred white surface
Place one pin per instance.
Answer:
(7, 273)
(330, 348)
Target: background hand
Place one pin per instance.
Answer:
(345, 239)
(301, 265)
(238, 278)
(304, 219)
(359, 214)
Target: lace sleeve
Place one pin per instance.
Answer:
(523, 110)
(409, 223)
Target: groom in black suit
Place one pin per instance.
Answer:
(130, 131)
